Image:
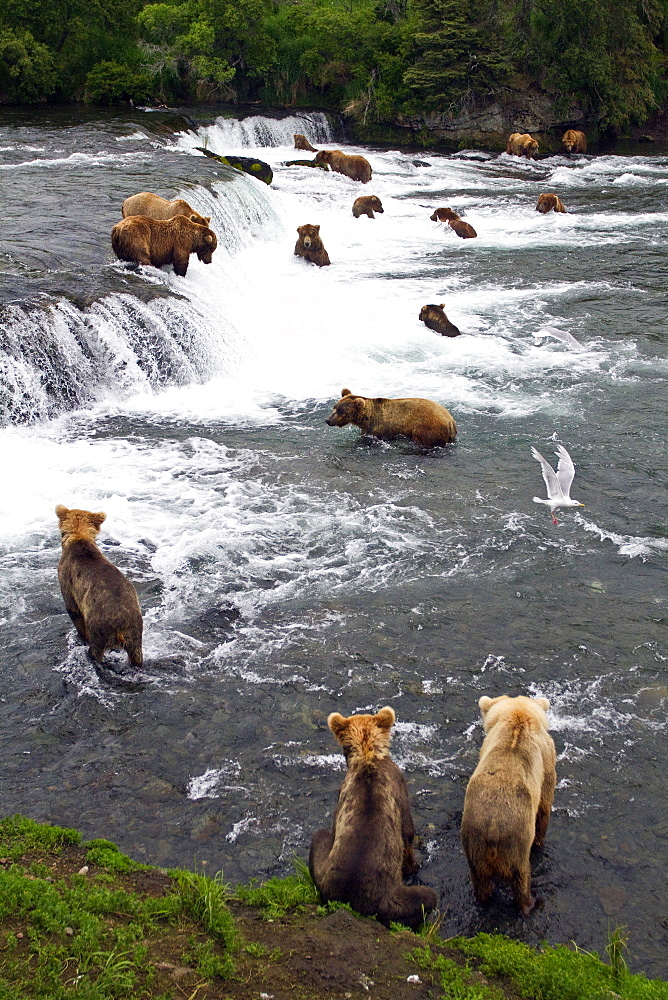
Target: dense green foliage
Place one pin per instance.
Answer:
(374, 58)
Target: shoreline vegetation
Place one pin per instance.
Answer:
(81, 919)
(439, 70)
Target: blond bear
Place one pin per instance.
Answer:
(509, 797)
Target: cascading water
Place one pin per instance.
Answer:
(287, 569)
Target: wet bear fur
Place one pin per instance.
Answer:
(301, 142)
(426, 423)
(509, 797)
(367, 205)
(160, 242)
(522, 144)
(155, 207)
(355, 167)
(443, 215)
(101, 602)
(434, 317)
(310, 246)
(368, 852)
(549, 203)
(463, 229)
(574, 141)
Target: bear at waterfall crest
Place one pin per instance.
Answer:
(156, 242)
(155, 207)
(509, 796)
(368, 852)
(301, 142)
(426, 423)
(310, 246)
(101, 602)
(355, 167)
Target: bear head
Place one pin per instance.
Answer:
(76, 524)
(427, 312)
(348, 410)
(205, 242)
(530, 146)
(375, 204)
(363, 736)
(494, 710)
(309, 236)
(324, 156)
(443, 215)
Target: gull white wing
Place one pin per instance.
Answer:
(565, 470)
(549, 475)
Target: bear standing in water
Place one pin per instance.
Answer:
(434, 317)
(549, 203)
(509, 797)
(101, 602)
(156, 207)
(356, 167)
(149, 241)
(368, 852)
(367, 205)
(426, 423)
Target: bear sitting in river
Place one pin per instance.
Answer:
(151, 241)
(434, 317)
(549, 203)
(426, 423)
(310, 246)
(368, 852)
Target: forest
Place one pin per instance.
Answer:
(371, 59)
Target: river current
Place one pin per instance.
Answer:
(287, 569)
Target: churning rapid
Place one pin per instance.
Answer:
(287, 569)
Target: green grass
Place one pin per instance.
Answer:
(279, 895)
(19, 836)
(559, 973)
(457, 982)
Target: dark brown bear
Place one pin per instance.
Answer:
(355, 167)
(574, 141)
(426, 423)
(156, 207)
(149, 241)
(310, 246)
(549, 203)
(434, 317)
(368, 852)
(463, 229)
(301, 142)
(367, 205)
(443, 215)
(101, 602)
(509, 797)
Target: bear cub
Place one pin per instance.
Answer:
(101, 602)
(509, 797)
(310, 246)
(368, 852)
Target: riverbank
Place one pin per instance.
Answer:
(81, 919)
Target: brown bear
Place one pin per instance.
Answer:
(509, 797)
(522, 145)
(367, 205)
(434, 317)
(368, 852)
(443, 215)
(301, 142)
(101, 602)
(549, 203)
(426, 423)
(156, 242)
(310, 246)
(463, 229)
(355, 167)
(574, 141)
(155, 207)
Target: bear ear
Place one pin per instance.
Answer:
(441, 305)
(385, 718)
(346, 392)
(208, 238)
(208, 219)
(317, 229)
(542, 703)
(337, 724)
(484, 704)
(97, 519)
(61, 512)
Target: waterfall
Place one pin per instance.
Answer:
(229, 133)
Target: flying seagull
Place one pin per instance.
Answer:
(558, 483)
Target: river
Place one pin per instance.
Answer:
(288, 569)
